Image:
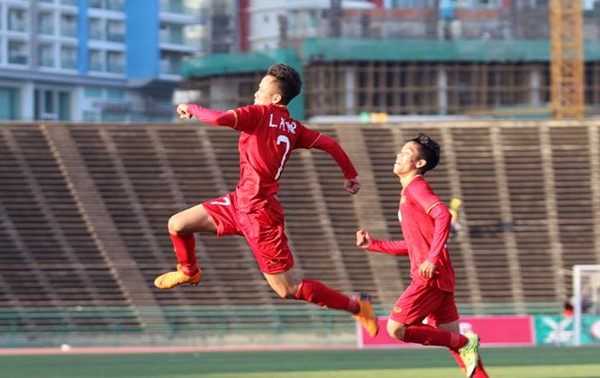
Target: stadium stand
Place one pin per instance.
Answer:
(84, 210)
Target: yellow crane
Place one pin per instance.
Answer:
(567, 66)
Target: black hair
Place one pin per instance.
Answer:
(288, 80)
(429, 150)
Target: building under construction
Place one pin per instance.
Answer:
(347, 77)
(489, 61)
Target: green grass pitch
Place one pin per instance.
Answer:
(535, 362)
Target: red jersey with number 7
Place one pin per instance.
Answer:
(268, 136)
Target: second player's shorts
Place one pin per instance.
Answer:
(420, 301)
(263, 229)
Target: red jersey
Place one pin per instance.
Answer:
(268, 136)
(423, 241)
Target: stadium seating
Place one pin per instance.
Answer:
(84, 211)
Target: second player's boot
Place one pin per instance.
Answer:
(470, 353)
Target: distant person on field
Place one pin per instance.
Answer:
(454, 209)
(267, 138)
(425, 223)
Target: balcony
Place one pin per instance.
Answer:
(114, 67)
(46, 61)
(46, 28)
(17, 26)
(68, 63)
(97, 66)
(115, 37)
(68, 2)
(113, 5)
(173, 6)
(96, 34)
(170, 67)
(17, 58)
(68, 30)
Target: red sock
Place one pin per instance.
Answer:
(322, 295)
(185, 249)
(428, 335)
(456, 356)
(479, 371)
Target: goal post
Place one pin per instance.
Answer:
(586, 296)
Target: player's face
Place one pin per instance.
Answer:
(267, 92)
(407, 160)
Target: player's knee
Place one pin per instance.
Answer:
(285, 291)
(176, 225)
(396, 331)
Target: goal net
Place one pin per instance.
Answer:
(586, 304)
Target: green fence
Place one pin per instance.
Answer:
(46, 326)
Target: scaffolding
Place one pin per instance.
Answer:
(567, 67)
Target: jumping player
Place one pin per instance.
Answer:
(267, 138)
(425, 223)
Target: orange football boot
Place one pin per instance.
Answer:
(170, 280)
(366, 317)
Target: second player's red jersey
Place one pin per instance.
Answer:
(268, 137)
(418, 229)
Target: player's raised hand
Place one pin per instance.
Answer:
(352, 186)
(182, 110)
(363, 239)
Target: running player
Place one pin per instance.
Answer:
(425, 223)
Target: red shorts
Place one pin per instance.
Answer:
(419, 302)
(263, 229)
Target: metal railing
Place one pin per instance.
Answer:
(42, 326)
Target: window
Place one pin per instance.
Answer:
(171, 33)
(116, 5)
(68, 57)
(116, 94)
(96, 29)
(96, 60)
(52, 104)
(46, 55)
(115, 62)
(115, 31)
(17, 20)
(170, 64)
(96, 4)
(68, 25)
(93, 92)
(45, 23)
(17, 52)
(9, 103)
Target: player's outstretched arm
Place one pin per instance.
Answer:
(332, 147)
(205, 115)
(391, 247)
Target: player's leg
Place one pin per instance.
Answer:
(211, 216)
(467, 357)
(265, 233)
(288, 286)
(406, 318)
(182, 227)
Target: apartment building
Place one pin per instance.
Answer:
(95, 60)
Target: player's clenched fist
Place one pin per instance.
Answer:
(363, 239)
(182, 110)
(352, 186)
